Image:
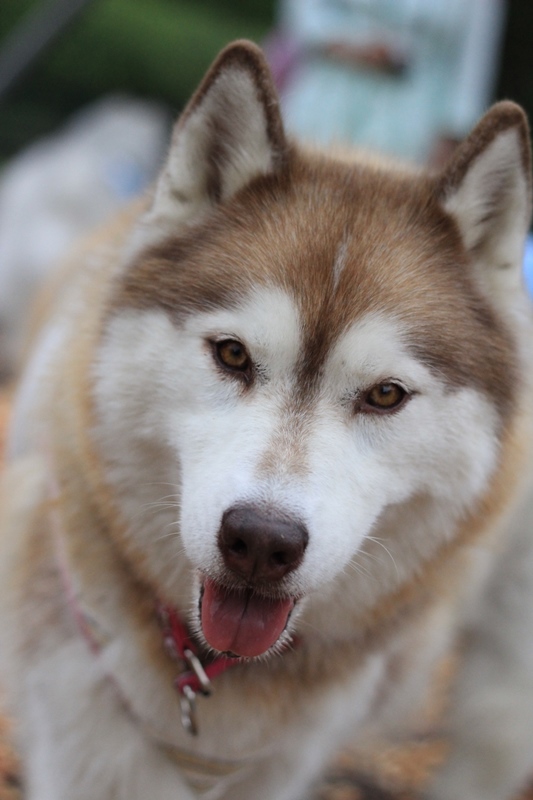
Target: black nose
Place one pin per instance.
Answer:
(260, 544)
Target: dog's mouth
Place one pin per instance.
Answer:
(242, 622)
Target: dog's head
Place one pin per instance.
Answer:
(308, 364)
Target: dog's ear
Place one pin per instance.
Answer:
(487, 189)
(230, 132)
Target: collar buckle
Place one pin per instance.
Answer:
(195, 665)
(195, 679)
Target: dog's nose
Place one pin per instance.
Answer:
(261, 544)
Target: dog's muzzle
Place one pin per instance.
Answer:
(259, 547)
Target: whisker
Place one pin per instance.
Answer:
(305, 624)
(359, 569)
(378, 541)
(170, 496)
(168, 534)
(161, 504)
(161, 483)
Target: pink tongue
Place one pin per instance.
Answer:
(242, 622)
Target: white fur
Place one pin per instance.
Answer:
(493, 706)
(92, 725)
(203, 442)
(96, 723)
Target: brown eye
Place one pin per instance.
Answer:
(384, 397)
(232, 355)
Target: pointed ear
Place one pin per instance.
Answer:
(487, 189)
(230, 132)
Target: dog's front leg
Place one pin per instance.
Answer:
(79, 742)
(491, 724)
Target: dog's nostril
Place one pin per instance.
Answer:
(239, 548)
(260, 543)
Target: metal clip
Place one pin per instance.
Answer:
(188, 710)
(195, 665)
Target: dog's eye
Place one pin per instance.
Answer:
(233, 355)
(384, 397)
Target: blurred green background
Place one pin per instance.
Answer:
(161, 48)
(151, 48)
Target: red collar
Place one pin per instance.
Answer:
(197, 678)
(180, 645)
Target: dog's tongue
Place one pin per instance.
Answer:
(242, 622)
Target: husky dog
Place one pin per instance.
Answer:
(270, 456)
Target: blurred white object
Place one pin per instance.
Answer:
(60, 188)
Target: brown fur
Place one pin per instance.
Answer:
(402, 251)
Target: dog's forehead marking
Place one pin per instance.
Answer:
(340, 262)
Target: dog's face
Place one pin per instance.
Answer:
(302, 356)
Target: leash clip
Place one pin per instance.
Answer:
(197, 678)
(189, 719)
(195, 665)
